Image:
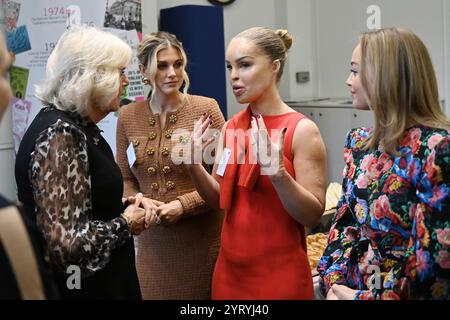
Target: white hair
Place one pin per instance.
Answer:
(83, 70)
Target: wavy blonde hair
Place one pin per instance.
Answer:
(398, 78)
(149, 48)
(84, 70)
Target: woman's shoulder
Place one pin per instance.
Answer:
(421, 138)
(61, 128)
(434, 134)
(132, 108)
(356, 137)
(201, 101)
(201, 104)
(438, 140)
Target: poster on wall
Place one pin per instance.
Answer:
(134, 91)
(123, 15)
(123, 18)
(32, 29)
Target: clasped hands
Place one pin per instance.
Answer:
(143, 212)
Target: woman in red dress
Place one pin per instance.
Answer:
(269, 177)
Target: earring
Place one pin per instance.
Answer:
(145, 81)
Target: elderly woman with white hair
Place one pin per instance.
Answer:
(66, 174)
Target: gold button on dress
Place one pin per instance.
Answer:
(155, 186)
(152, 135)
(170, 185)
(165, 152)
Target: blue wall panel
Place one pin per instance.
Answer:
(201, 30)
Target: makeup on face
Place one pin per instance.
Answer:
(354, 81)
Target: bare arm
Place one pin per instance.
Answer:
(304, 197)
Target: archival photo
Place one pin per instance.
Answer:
(123, 14)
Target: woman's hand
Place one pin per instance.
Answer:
(201, 137)
(343, 292)
(152, 219)
(331, 295)
(170, 213)
(151, 207)
(269, 155)
(135, 216)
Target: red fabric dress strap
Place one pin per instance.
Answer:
(291, 125)
(240, 121)
(250, 172)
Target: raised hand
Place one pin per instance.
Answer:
(268, 154)
(201, 137)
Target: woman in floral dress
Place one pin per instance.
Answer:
(390, 238)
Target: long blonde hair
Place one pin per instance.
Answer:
(400, 83)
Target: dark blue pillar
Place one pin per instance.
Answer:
(201, 30)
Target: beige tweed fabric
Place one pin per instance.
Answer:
(173, 261)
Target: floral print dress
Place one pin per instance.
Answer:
(390, 237)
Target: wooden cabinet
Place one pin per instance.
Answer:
(334, 124)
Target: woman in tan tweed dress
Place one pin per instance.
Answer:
(177, 254)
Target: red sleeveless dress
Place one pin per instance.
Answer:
(263, 249)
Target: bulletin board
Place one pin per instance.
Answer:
(32, 29)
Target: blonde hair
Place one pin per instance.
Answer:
(273, 43)
(398, 78)
(149, 48)
(84, 70)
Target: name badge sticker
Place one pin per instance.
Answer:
(223, 162)
(131, 155)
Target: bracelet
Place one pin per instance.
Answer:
(127, 220)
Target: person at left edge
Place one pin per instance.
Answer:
(23, 272)
(66, 174)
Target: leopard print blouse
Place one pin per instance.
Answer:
(61, 181)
